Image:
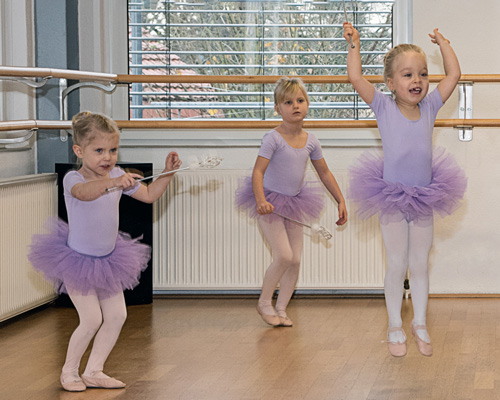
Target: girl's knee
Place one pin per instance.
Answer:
(91, 323)
(285, 259)
(117, 318)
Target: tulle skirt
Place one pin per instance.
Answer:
(396, 201)
(66, 268)
(304, 207)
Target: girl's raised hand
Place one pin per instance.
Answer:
(265, 207)
(438, 38)
(172, 161)
(350, 31)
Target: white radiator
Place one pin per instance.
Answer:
(25, 204)
(202, 242)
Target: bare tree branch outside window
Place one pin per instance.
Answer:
(217, 37)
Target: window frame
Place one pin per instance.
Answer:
(401, 16)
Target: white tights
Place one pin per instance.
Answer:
(286, 241)
(106, 317)
(407, 246)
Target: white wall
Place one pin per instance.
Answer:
(466, 255)
(16, 99)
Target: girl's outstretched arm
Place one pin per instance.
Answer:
(451, 65)
(326, 176)
(153, 191)
(262, 205)
(92, 190)
(365, 89)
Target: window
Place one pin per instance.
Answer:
(215, 37)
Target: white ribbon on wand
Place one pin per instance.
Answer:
(314, 227)
(207, 162)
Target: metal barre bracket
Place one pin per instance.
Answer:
(64, 90)
(28, 82)
(465, 110)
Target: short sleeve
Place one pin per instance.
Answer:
(316, 153)
(435, 101)
(268, 146)
(70, 180)
(379, 101)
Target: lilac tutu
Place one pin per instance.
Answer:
(304, 207)
(81, 273)
(395, 201)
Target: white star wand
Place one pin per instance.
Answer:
(208, 162)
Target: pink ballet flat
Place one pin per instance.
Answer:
(284, 320)
(72, 383)
(423, 347)
(102, 383)
(397, 349)
(273, 320)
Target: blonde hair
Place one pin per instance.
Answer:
(396, 51)
(87, 124)
(288, 87)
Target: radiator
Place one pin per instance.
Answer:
(25, 204)
(203, 243)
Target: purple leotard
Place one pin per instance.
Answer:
(90, 253)
(93, 225)
(407, 144)
(284, 185)
(411, 181)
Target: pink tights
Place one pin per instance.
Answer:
(286, 241)
(102, 316)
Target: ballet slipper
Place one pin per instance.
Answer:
(271, 319)
(102, 383)
(72, 383)
(397, 349)
(425, 348)
(284, 320)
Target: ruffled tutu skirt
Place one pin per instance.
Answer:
(304, 207)
(66, 268)
(396, 201)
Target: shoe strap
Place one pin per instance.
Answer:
(420, 327)
(395, 329)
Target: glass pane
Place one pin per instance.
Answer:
(249, 38)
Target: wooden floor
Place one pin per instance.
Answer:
(204, 349)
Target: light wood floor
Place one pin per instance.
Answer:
(205, 349)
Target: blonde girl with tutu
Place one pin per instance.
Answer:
(411, 182)
(277, 187)
(88, 258)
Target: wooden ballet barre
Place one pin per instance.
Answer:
(271, 79)
(243, 125)
(34, 72)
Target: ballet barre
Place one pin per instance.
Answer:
(34, 72)
(208, 124)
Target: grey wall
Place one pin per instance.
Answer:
(56, 46)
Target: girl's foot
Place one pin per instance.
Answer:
(267, 312)
(72, 383)
(284, 320)
(422, 339)
(99, 379)
(396, 341)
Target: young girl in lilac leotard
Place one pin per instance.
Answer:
(411, 182)
(89, 259)
(277, 184)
